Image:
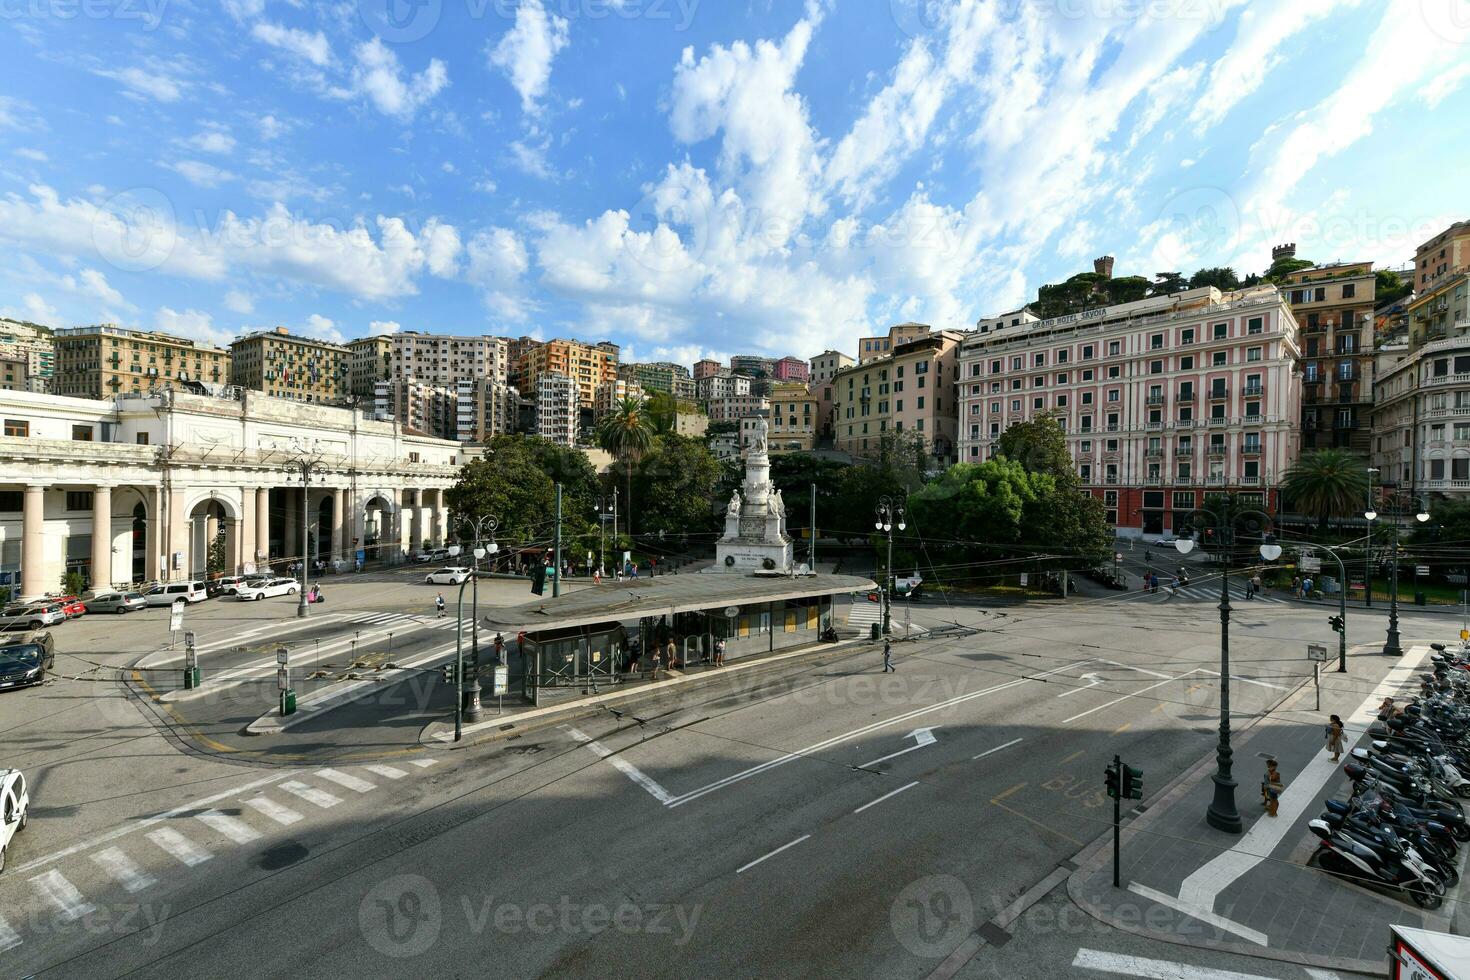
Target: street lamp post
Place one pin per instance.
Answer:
(1222, 813)
(469, 697)
(1341, 605)
(1370, 514)
(306, 461)
(889, 512)
(1391, 647)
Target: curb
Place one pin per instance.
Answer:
(1091, 858)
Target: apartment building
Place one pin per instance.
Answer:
(705, 368)
(795, 417)
(610, 395)
(447, 359)
(588, 366)
(661, 376)
(825, 366)
(722, 385)
(32, 344)
(753, 365)
(732, 408)
(15, 373)
(791, 369)
(910, 389)
(557, 408)
(1441, 310)
(1000, 321)
(106, 360)
(1333, 305)
(1163, 400)
(370, 361)
(488, 407)
(285, 365)
(422, 408)
(1421, 417)
(1445, 253)
(871, 348)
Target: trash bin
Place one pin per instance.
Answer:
(288, 702)
(873, 631)
(1420, 599)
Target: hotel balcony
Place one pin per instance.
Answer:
(1154, 400)
(1250, 449)
(1253, 391)
(1219, 394)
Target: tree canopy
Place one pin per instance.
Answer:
(1222, 278)
(675, 486)
(1327, 483)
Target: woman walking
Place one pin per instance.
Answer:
(1334, 737)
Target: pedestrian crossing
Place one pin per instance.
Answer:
(193, 837)
(1206, 593)
(864, 614)
(402, 621)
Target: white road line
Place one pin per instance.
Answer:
(1317, 974)
(623, 766)
(859, 732)
(179, 847)
(422, 763)
(236, 830)
(123, 870)
(1205, 884)
(1140, 670)
(387, 772)
(778, 850)
(267, 807)
(885, 796)
(1200, 912)
(177, 811)
(345, 779)
(1134, 694)
(311, 794)
(9, 938)
(61, 893)
(1095, 680)
(996, 749)
(1138, 966)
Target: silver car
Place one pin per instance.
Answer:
(116, 602)
(32, 616)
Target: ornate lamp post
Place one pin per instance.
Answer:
(1370, 514)
(889, 512)
(1221, 813)
(307, 461)
(1391, 646)
(469, 696)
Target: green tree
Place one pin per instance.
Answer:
(580, 487)
(508, 483)
(1168, 284)
(663, 413)
(1040, 446)
(1284, 266)
(1221, 277)
(1445, 538)
(626, 433)
(676, 481)
(794, 474)
(1327, 483)
(1389, 287)
(75, 583)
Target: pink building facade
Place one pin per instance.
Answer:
(791, 369)
(1163, 401)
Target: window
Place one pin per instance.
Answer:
(17, 428)
(1038, 359)
(1114, 394)
(1016, 384)
(1156, 342)
(1254, 325)
(12, 501)
(1114, 371)
(1111, 446)
(1155, 367)
(1114, 348)
(1015, 404)
(1087, 352)
(81, 433)
(995, 408)
(1219, 358)
(1062, 378)
(141, 438)
(1039, 381)
(1062, 356)
(1086, 445)
(1253, 354)
(974, 370)
(1221, 331)
(1038, 403)
(1061, 401)
(1015, 363)
(995, 367)
(79, 500)
(1186, 336)
(1349, 290)
(1186, 363)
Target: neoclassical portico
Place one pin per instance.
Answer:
(184, 479)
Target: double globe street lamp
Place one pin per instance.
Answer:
(1222, 813)
(467, 698)
(890, 512)
(1391, 646)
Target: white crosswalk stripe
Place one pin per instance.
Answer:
(123, 870)
(345, 779)
(54, 887)
(864, 613)
(9, 938)
(311, 794)
(264, 805)
(387, 772)
(423, 763)
(236, 830)
(179, 847)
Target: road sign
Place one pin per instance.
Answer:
(1117, 556)
(1316, 651)
(176, 616)
(500, 680)
(282, 655)
(1421, 569)
(732, 612)
(283, 678)
(1309, 563)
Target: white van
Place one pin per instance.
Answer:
(166, 595)
(15, 805)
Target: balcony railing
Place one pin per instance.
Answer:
(1184, 424)
(1184, 451)
(1219, 423)
(1219, 450)
(1154, 400)
(1250, 449)
(1153, 451)
(1219, 394)
(1186, 396)
(1254, 391)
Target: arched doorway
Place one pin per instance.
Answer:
(212, 533)
(319, 541)
(139, 543)
(377, 529)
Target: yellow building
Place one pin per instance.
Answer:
(106, 360)
(795, 418)
(371, 362)
(590, 366)
(287, 366)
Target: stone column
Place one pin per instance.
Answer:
(414, 512)
(243, 546)
(340, 544)
(290, 521)
(178, 536)
(101, 537)
(153, 532)
(32, 542)
(262, 526)
(211, 531)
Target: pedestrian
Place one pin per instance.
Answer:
(673, 653)
(1153, 583)
(1255, 585)
(439, 604)
(888, 667)
(1271, 788)
(1334, 737)
(720, 652)
(1307, 587)
(658, 661)
(1296, 586)
(597, 576)
(1174, 586)
(499, 649)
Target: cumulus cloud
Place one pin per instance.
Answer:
(381, 328)
(199, 173)
(191, 323)
(525, 52)
(154, 82)
(212, 139)
(237, 302)
(379, 78)
(311, 47)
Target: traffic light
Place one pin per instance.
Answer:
(449, 672)
(1336, 622)
(1111, 775)
(538, 580)
(1132, 783)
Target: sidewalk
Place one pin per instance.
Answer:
(1185, 882)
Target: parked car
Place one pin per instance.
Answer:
(166, 595)
(423, 557)
(26, 661)
(71, 605)
(15, 808)
(32, 615)
(116, 602)
(264, 588)
(439, 554)
(225, 586)
(452, 575)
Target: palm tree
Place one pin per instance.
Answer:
(626, 433)
(1328, 483)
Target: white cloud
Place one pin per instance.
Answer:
(237, 302)
(441, 248)
(525, 52)
(308, 46)
(528, 155)
(32, 154)
(94, 283)
(153, 82)
(378, 77)
(34, 308)
(191, 323)
(11, 112)
(485, 186)
(270, 127)
(381, 328)
(497, 264)
(199, 173)
(212, 139)
(322, 328)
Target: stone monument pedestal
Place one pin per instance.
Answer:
(755, 538)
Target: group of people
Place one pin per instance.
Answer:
(1302, 588)
(1151, 581)
(667, 656)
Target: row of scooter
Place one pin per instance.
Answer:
(1402, 824)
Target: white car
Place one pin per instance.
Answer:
(167, 595)
(264, 588)
(32, 616)
(15, 807)
(453, 575)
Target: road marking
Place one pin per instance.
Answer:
(886, 796)
(778, 850)
(54, 887)
(1013, 789)
(1134, 694)
(1095, 680)
(1138, 966)
(1205, 884)
(1071, 757)
(996, 749)
(1034, 822)
(422, 763)
(236, 830)
(9, 938)
(349, 781)
(179, 847)
(264, 805)
(177, 811)
(387, 772)
(1140, 670)
(859, 732)
(1204, 913)
(622, 765)
(123, 870)
(1123, 728)
(922, 737)
(311, 794)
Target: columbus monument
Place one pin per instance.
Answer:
(755, 538)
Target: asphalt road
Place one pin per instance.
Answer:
(820, 820)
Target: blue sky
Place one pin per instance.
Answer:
(688, 177)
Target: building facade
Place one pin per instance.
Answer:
(284, 365)
(1333, 306)
(722, 385)
(1000, 321)
(557, 408)
(1445, 253)
(791, 369)
(1163, 400)
(447, 359)
(1440, 310)
(908, 390)
(589, 366)
(371, 361)
(610, 396)
(753, 365)
(705, 368)
(795, 418)
(735, 407)
(872, 348)
(424, 408)
(32, 344)
(1421, 418)
(661, 376)
(824, 366)
(104, 361)
(145, 486)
